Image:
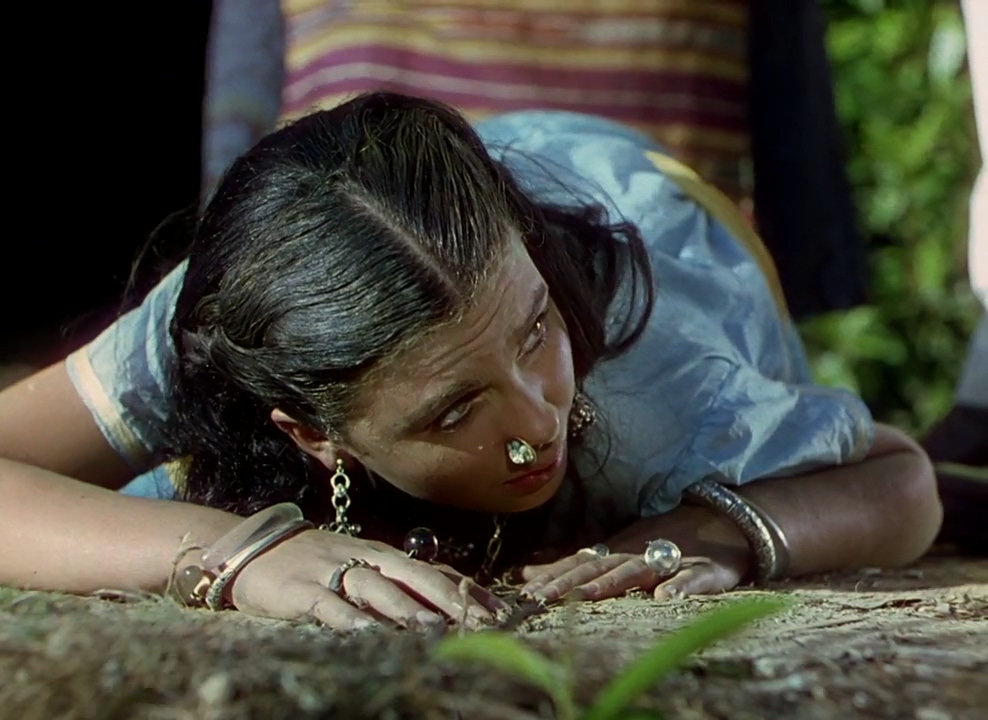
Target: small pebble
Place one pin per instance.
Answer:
(871, 572)
(929, 713)
(861, 700)
(59, 644)
(216, 690)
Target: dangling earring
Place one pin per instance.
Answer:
(340, 482)
(581, 416)
(520, 453)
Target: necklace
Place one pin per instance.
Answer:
(421, 544)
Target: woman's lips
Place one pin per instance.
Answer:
(537, 479)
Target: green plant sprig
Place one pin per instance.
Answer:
(509, 654)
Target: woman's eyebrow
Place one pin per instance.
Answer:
(539, 299)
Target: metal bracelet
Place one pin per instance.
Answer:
(203, 583)
(764, 536)
(231, 568)
(781, 542)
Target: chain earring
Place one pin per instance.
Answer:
(340, 482)
(581, 416)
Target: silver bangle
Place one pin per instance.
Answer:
(203, 583)
(766, 539)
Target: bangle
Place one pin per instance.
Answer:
(765, 538)
(203, 584)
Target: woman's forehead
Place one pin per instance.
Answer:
(468, 351)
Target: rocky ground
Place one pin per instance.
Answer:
(893, 644)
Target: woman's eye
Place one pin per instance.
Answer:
(454, 418)
(537, 335)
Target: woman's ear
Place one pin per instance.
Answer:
(311, 441)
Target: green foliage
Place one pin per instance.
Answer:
(905, 101)
(509, 654)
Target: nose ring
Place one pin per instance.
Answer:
(520, 453)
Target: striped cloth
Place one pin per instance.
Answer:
(675, 69)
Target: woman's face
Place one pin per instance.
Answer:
(436, 420)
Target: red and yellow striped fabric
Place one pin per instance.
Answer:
(675, 69)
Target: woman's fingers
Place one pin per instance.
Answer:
(475, 590)
(537, 576)
(583, 573)
(703, 577)
(367, 587)
(614, 575)
(632, 574)
(434, 589)
(336, 613)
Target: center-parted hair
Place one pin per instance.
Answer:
(334, 243)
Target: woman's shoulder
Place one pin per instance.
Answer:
(123, 374)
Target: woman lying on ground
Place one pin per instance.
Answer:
(545, 351)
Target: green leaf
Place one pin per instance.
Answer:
(645, 672)
(508, 654)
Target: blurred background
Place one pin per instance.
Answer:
(904, 101)
(108, 143)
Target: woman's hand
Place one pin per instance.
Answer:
(585, 576)
(715, 559)
(292, 579)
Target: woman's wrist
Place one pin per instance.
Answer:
(206, 582)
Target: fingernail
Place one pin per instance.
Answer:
(584, 592)
(363, 624)
(547, 594)
(494, 601)
(531, 589)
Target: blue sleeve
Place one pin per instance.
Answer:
(719, 384)
(123, 374)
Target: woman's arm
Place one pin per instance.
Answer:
(80, 536)
(75, 537)
(44, 423)
(883, 511)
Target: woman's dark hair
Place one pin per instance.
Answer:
(331, 244)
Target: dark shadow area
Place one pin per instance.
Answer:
(103, 144)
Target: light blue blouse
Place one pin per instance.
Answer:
(718, 386)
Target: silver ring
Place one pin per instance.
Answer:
(599, 550)
(663, 557)
(336, 579)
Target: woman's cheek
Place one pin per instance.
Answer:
(446, 475)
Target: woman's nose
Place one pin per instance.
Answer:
(534, 420)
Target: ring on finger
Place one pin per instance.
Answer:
(663, 557)
(600, 550)
(339, 575)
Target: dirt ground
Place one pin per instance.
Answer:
(891, 644)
